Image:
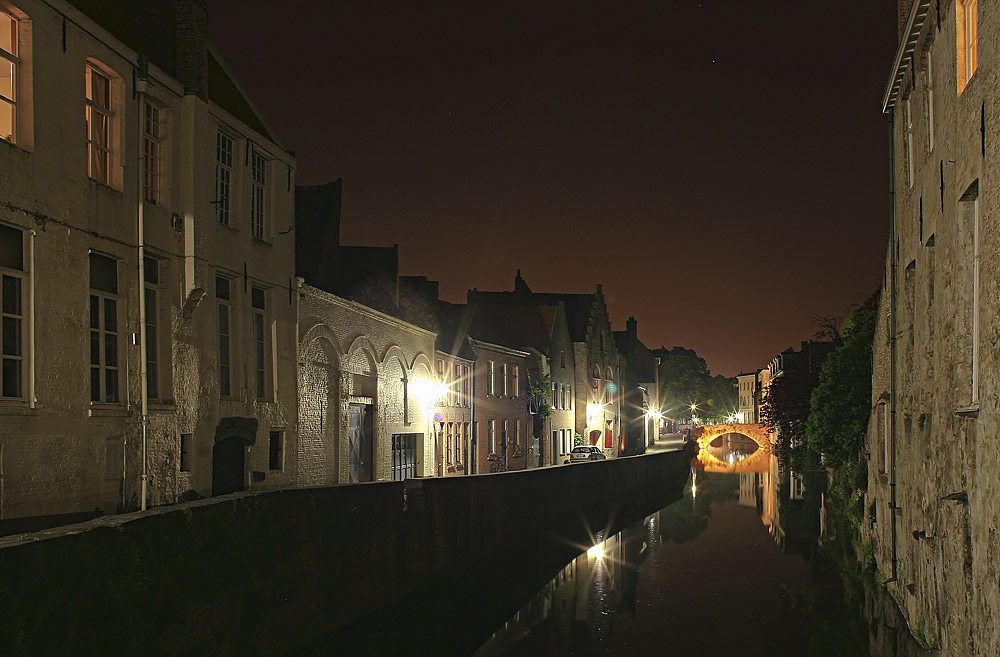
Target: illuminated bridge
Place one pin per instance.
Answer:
(709, 457)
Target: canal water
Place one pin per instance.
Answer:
(734, 567)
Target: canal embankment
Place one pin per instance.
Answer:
(267, 573)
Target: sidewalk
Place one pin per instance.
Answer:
(668, 442)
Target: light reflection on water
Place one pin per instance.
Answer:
(719, 572)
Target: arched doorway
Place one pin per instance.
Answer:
(229, 466)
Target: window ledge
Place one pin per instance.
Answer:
(17, 408)
(259, 242)
(108, 411)
(104, 187)
(967, 411)
(161, 407)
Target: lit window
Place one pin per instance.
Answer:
(152, 134)
(223, 299)
(99, 117)
(223, 176)
(104, 380)
(12, 307)
(258, 169)
(966, 40)
(8, 77)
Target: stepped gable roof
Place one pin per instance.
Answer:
(147, 27)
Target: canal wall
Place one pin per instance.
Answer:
(266, 573)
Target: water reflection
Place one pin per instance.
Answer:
(733, 567)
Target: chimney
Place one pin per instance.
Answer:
(632, 327)
(904, 11)
(191, 24)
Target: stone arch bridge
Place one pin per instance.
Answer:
(756, 462)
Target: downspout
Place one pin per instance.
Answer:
(141, 83)
(893, 345)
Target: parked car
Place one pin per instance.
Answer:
(585, 453)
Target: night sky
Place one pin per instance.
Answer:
(720, 167)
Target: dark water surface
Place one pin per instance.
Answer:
(733, 568)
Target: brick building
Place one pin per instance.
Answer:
(149, 315)
(640, 386)
(367, 393)
(597, 402)
(933, 488)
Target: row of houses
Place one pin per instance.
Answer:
(180, 320)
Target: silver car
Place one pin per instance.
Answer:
(585, 453)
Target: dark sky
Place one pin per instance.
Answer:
(720, 167)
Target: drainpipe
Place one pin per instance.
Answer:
(893, 348)
(141, 86)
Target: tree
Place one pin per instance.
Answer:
(682, 377)
(841, 403)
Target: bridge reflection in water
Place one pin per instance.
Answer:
(734, 448)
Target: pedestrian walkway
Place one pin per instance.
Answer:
(668, 442)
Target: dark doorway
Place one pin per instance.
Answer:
(404, 456)
(228, 466)
(361, 435)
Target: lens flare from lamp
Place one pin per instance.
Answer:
(597, 551)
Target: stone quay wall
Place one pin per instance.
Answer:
(269, 572)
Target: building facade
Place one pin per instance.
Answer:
(933, 486)
(367, 394)
(148, 318)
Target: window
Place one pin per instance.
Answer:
(555, 395)
(455, 390)
(465, 386)
(515, 382)
(99, 117)
(223, 299)
(493, 436)
(258, 170)
(223, 176)
(8, 77)
(517, 432)
(151, 138)
(503, 379)
(275, 450)
(103, 329)
(12, 328)
(490, 378)
(260, 339)
(185, 447)
(504, 434)
(966, 40)
(151, 272)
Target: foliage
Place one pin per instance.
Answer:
(540, 395)
(841, 402)
(685, 379)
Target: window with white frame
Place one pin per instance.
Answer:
(465, 386)
(9, 64)
(517, 432)
(454, 389)
(966, 40)
(258, 193)
(13, 332)
(104, 379)
(490, 378)
(493, 436)
(223, 175)
(929, 103)
(503, 379)
(99, 124)
(224, 303)
(261, 338)
(152, 136)
(555, 395)
(515, 382)
(151, 272)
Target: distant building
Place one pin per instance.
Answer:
(747, 385)
(640, 390)
(932, 489)
(148, 299)
(597, 400)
